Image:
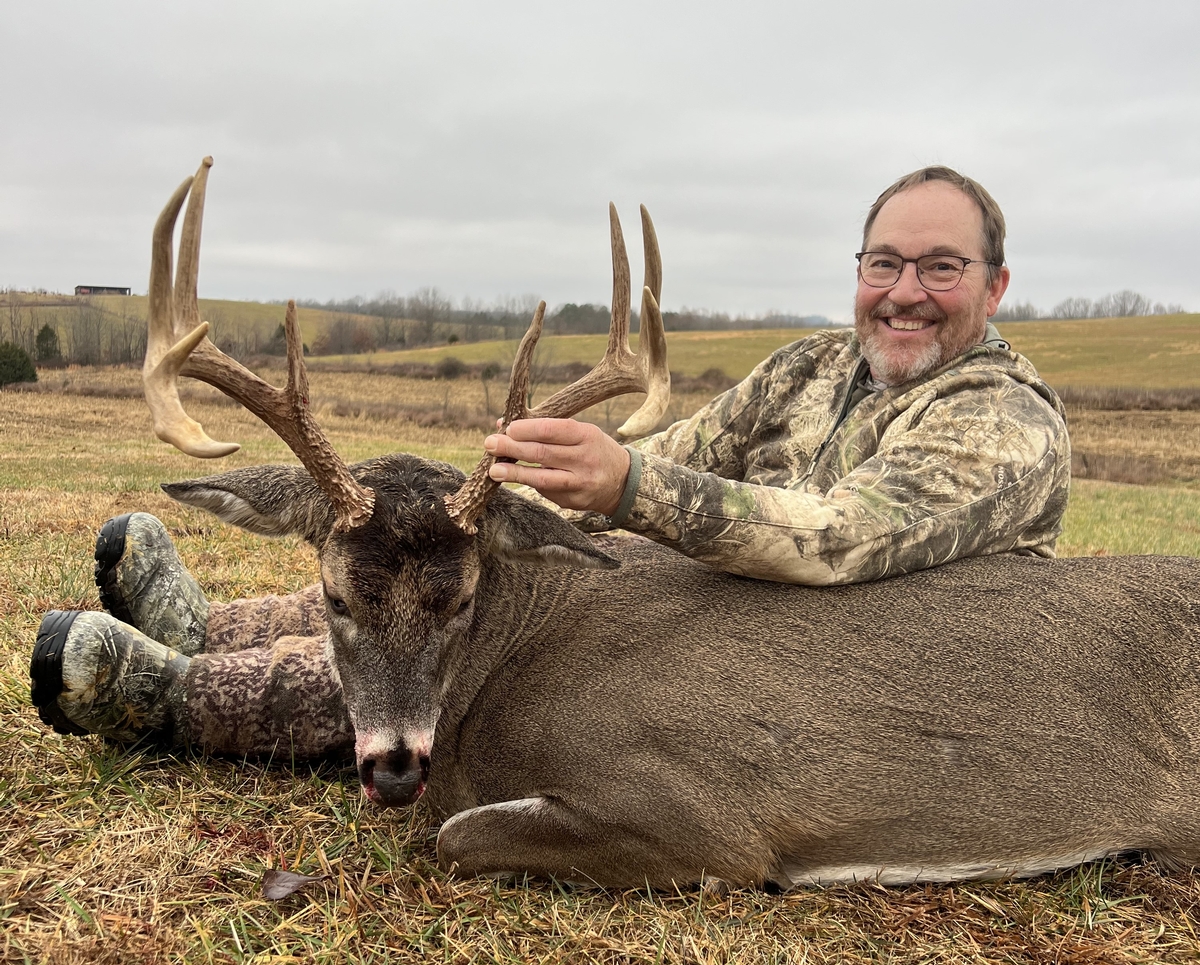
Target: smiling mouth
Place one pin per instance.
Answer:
(908, 324)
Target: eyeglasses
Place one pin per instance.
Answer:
(936, 273)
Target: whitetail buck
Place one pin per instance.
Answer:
(662, 722)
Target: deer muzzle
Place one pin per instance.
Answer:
(393, 772)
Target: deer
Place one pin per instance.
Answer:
(604, 710)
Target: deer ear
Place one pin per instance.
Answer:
(513, 528)
(271, 500)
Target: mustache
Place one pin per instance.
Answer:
(925, 310)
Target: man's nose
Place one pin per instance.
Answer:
(908, 289)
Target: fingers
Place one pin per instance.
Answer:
(550, 480)
(562, 432)
(576, 465)
(550, 442)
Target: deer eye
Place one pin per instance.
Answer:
(337, 605)
(463, 607)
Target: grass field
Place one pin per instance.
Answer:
(113, 856)
(1159, 351)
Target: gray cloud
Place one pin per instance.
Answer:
(369, 146)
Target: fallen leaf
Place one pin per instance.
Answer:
(277, 885)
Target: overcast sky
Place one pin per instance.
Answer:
(474, 146)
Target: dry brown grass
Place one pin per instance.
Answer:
(1135, 446)
(108, 855)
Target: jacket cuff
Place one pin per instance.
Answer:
(632, 481)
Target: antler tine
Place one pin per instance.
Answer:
(652, 342)
(466, 506)
(619, 372)
(168, 343)
(176, 348)
(187, 273)
(652, 278)
(618, 329)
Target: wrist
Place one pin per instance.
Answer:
(633, 479)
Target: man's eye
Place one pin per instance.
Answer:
(881, 261)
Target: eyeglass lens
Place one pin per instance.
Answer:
(881, 269)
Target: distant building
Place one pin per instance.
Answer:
(100, 290)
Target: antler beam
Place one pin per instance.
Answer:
(620, 372)
(178, 345)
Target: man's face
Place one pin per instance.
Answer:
(907, 331)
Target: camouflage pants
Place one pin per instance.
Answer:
(263, 685)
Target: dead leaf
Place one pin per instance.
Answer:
(277, 885)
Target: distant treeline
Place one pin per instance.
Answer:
(65, 330)
(435, 313)
(1122, 304)
(81, 330)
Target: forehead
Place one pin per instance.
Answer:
(931, 217)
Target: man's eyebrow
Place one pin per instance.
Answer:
(945, 250)
(935, 250)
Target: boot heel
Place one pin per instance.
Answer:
(110, 547)
(45, 670)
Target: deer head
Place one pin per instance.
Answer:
(403, 542)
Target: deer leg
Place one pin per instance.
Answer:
(283, 701)
(260, 622)
(542, 837)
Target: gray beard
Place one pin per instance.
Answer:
(894, 371)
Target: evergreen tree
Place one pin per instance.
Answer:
(47, 344)
(15, 364)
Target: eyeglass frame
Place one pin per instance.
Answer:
(914, 262)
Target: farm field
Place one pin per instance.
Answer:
(1158, 351)
(108, 855)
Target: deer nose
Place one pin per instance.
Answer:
(394, 778)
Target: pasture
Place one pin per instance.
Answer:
(108, 855)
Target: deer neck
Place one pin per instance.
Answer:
(516, 605)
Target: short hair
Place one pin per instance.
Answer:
(993, 217)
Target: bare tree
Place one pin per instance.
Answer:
(1074, 308)
(431, 308)
(85, 334)
(1122, 304)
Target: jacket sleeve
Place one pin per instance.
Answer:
(953, 476)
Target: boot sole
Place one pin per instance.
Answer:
(110, 547)
(45, 670)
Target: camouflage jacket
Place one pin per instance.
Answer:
(801, 475)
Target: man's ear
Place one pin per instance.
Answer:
(513, 528)
(271, 500)
(996, 289)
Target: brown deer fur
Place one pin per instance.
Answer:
(662, 722)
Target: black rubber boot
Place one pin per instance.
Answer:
(143, 582)
(93, 674)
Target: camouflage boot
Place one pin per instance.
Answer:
(92, 674)
(143, 582)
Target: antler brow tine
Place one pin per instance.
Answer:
(177, 344)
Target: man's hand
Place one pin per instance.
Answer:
(580, 467)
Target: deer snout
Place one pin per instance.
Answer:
(394, 775)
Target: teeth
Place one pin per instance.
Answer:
(905, 325)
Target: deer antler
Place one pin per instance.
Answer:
(178, 345)
(621, 371)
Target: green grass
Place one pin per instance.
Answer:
(1118, 520)
(1157, 351)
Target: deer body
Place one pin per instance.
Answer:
(663, 722)
(696, 723)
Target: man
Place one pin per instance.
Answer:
(916, 439)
